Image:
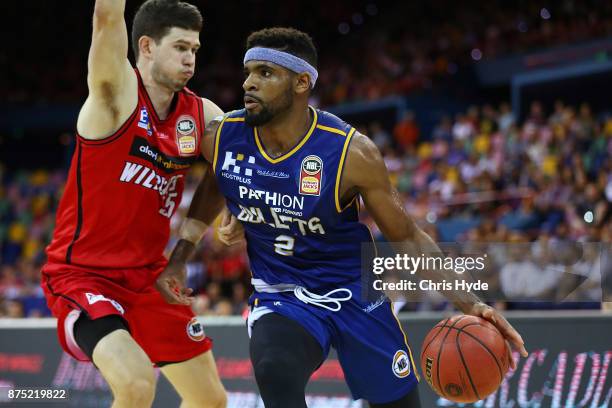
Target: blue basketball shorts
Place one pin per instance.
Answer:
(372, 348)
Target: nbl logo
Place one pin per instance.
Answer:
(312, 165)
(231, 163)
(311, 175)
(401, 364)
(195, 330)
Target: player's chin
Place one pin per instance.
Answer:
(179, 84)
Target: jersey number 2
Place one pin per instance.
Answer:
(284, 245)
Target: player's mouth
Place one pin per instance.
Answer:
(250, 102)
(187, 74)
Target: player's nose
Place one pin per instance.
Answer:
(249, 84)
(189, 61)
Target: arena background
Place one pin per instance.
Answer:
(495, 123)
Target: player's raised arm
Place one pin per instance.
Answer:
(365, 173)
(112, 83)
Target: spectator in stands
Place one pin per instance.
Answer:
(406, 132)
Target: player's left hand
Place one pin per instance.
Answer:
(512, 336)
(230, 231)
(170, 283)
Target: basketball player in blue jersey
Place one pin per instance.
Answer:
(292, 175)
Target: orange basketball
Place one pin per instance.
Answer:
(464, 358)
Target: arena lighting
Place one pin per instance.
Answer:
(372, 9)
(545, 14)
(344, 28)
(357, 19)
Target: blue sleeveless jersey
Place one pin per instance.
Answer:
(296, 230)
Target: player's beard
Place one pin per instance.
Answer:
(270, 110)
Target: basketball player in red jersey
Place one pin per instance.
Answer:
(138, 133)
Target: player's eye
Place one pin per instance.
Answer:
(265, 73)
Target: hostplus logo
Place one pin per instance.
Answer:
(236, 166)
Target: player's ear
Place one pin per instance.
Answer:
(146, 45)
(301, 83)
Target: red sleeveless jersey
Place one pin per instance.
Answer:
(121, 191)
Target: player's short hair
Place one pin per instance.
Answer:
(154, 18)
(290, 40)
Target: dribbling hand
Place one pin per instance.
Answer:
(512, 336)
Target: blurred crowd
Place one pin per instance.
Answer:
(483, 177)
(478, 177)
(403, 46)
(550, 174)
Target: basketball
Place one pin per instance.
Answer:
(464, 358)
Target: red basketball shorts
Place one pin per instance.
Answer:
(167, 333)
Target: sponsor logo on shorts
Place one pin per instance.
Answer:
(92, 298)
(401, 364)
(195, 331)
(311, 175)
(374, 305)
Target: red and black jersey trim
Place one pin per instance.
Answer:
(114, 136)
(79, 181)
(142, 90)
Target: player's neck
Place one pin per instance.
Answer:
(286, 130)
(161, 97)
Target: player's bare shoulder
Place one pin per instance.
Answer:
(213, 116)
(364, 162)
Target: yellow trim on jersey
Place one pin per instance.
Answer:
(416, 373)
(295, 149)
(238, 119)
(216, 151)
(331, 129)
(340, 167)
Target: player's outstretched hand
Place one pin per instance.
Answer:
(512, 336)
(230, 231)
(170, 283)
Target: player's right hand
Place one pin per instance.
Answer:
(170, 283)
(230, 231)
